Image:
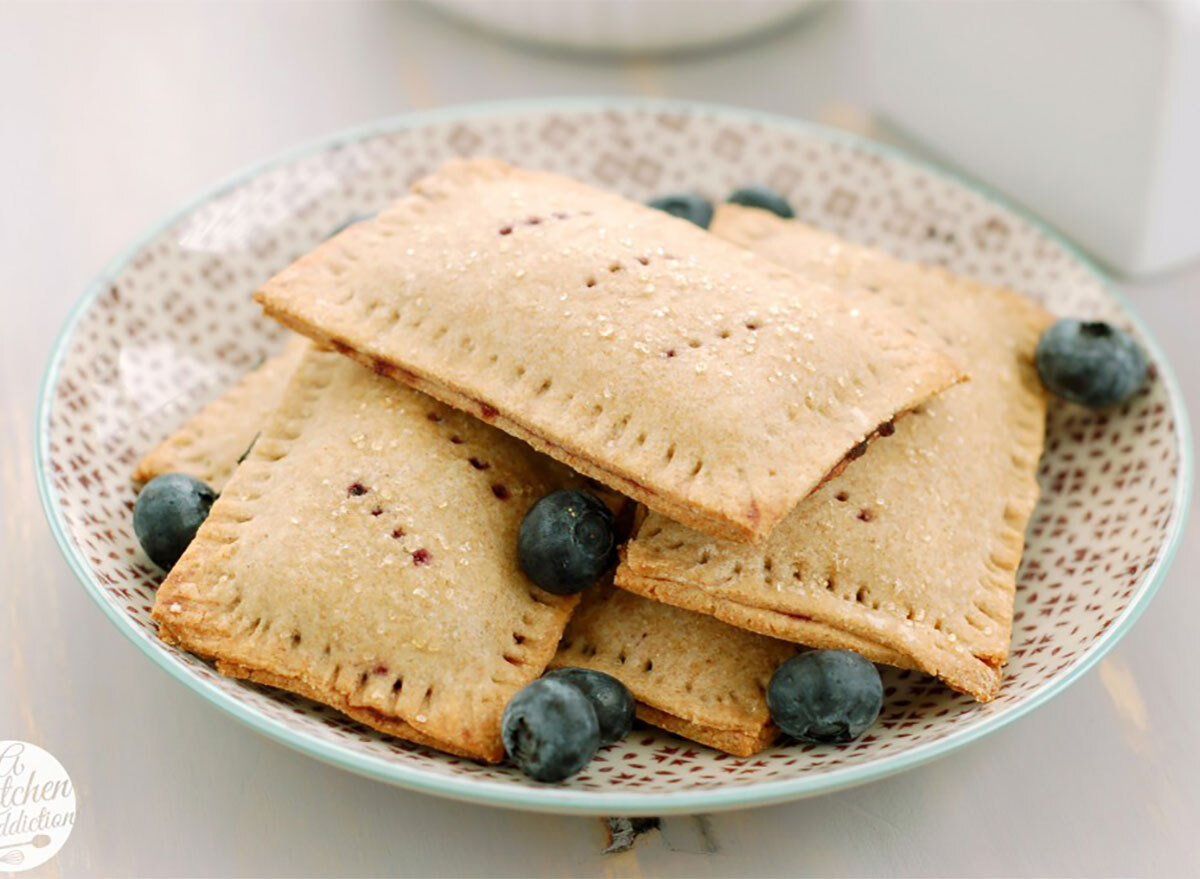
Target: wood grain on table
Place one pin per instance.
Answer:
(115, 114)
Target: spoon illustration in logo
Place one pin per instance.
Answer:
(16, 856)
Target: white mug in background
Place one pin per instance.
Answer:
(1086, 113)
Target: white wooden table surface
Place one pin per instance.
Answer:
(111, 115)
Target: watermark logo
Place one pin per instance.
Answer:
(37, 806)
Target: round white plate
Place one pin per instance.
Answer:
(169, 324)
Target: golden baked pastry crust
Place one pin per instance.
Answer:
(706, 382)
(910, 555)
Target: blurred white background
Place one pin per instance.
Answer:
(112, 114)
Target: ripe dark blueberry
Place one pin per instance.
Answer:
(567, 541)
(687, 206)
(168, 512)
(610, 698)
(826, 696)
(550, 730)
(1091, 363)
(762, 197)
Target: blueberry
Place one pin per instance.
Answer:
(567, 540)
(762, 197)
(168, 512)
(687, 206)
(826, 696)
(610, 698)
(1091, 363)
(550, 730)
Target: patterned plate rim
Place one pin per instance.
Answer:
(552, 799)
